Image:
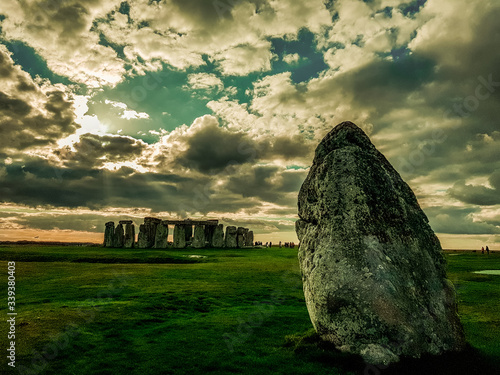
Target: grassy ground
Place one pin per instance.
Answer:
(234, 311)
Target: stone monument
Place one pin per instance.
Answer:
(372, 268)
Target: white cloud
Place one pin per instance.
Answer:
(204, 81)
(245, 59)
(127, 114)
(60, 33)
(291, 58)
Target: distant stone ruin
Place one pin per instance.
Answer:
(154, 234)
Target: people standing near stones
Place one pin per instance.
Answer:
(487, 250)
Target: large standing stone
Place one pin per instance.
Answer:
(147, 233)
(218, 236)
(161, 236)
(109, 234)
(240, 237)
(179, 236)
(199, 237)
(372, 268)
(230, 240)
(209, 233)
(142, 237)
(129, 233)
(249, 238)
(119, 236)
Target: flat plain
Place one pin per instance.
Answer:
(90, 310)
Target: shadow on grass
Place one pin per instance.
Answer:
(309, 347)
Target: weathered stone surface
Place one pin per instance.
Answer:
(240, 237)
(230, 240)
(372, 269)
(179, 236)
(125, 222)
(199, 237)
(161, 236)
(147, 233)
(218, 236)
(109, 234)
(142, 237)
(119, 236)
(209, 233)
(129, 235)
(249, 238)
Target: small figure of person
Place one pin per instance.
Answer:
(482, 250)
(487, 250)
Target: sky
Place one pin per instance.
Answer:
(116, 110)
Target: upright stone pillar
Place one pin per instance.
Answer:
(129, 233)
(249, 238)
(119, 236)
(209, 233)
(199, 237)
(240, 237)
(218, 236)
(230, 239)
(150, 224)
(142, 241)
(109, 234)
(179, 236)
(161, 237)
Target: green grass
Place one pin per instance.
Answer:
(235, 311)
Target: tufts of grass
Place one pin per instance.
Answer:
(237, 311)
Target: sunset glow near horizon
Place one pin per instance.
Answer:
(116, 110)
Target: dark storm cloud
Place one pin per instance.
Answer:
(212, 148)
(267, 183)
(30, 115)
(383, 83)
(36, 183)
(453, 220)
(478, 195)
(262, 226)
(94, 150)
(68, 221)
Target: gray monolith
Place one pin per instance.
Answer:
(209, 233)
(230, 240)
(372, 268)
(249, 238)
(109, 234)
(179, 236)
(218, 236)
(240, 237)
(199, 237)
(119, 236)
(129, 233)
(142, 237)
(161, 236)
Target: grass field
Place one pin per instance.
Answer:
(117, 311)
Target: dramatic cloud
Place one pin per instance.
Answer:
(32, 113)
(214, 108)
